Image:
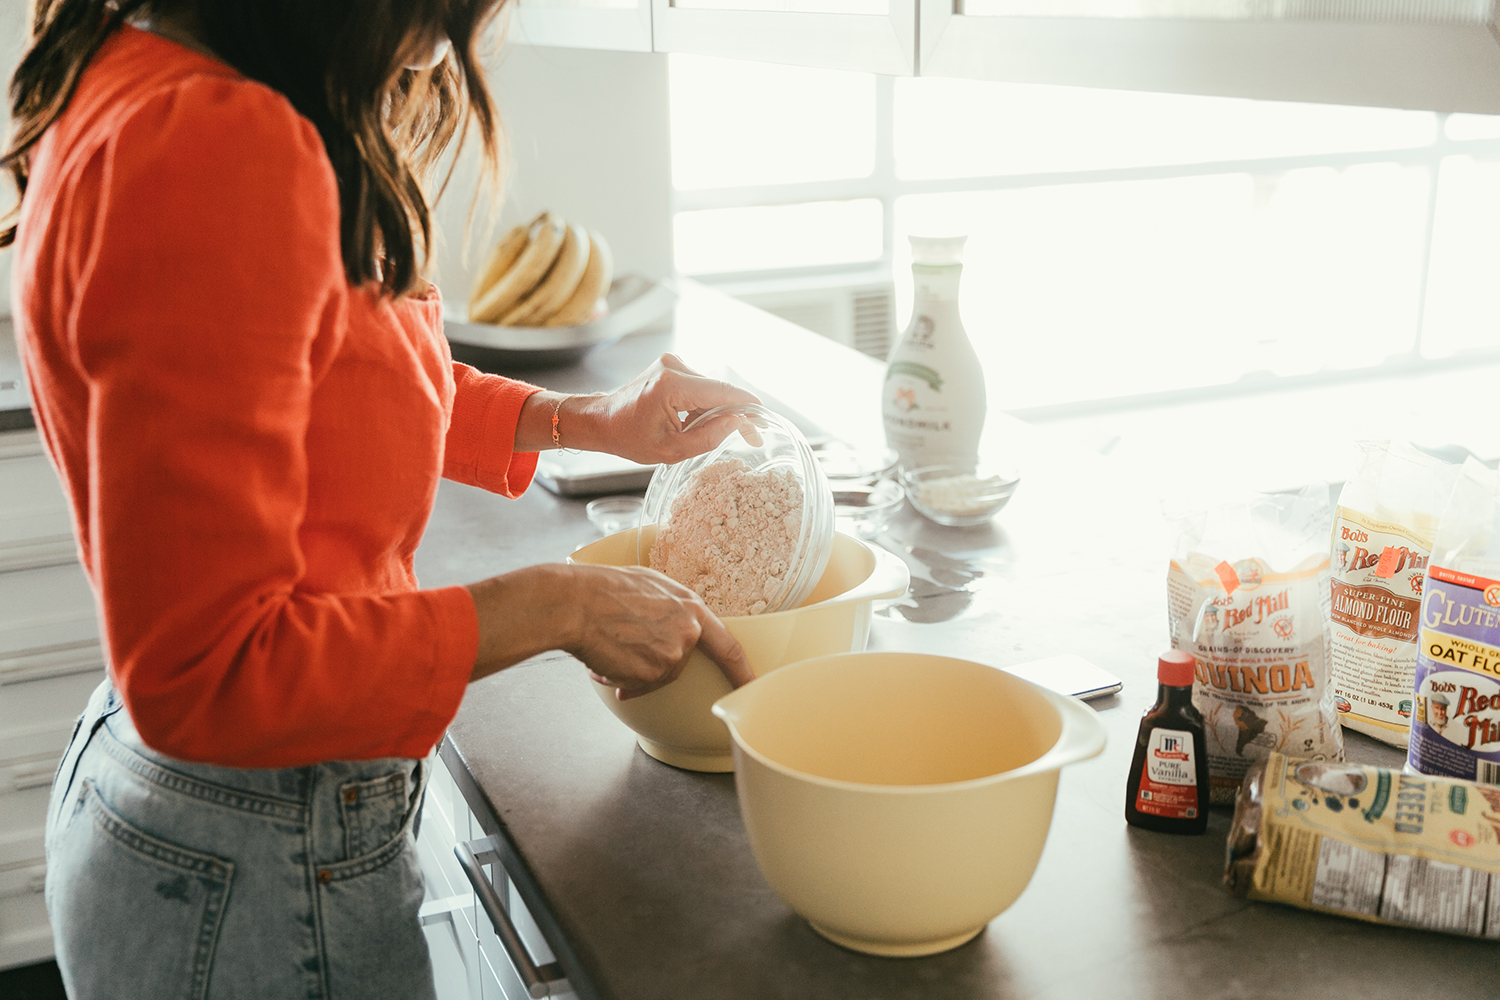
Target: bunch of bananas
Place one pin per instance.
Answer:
(545, 273)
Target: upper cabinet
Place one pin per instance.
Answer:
(877, 36)
(621, 25)
(1438, 55)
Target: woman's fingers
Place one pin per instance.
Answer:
(724, 649)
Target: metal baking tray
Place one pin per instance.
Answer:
(634, 303)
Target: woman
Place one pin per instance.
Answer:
(240, 375)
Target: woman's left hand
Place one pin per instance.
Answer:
(641, 420)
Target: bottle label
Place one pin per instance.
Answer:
(1169, 779)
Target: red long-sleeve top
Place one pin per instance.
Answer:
(251, 446)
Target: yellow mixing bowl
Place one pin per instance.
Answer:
(675, 724)
(897, 801)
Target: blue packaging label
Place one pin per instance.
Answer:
(1455, 728)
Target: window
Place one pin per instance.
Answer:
(1120, 244)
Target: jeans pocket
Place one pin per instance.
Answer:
(373, 812)
(108, 880)
(372, 933)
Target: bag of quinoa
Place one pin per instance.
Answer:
(1456, 726)
(1248, 597)
(1382, 536)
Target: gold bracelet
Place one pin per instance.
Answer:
(557, 409)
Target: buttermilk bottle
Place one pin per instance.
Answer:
(933, 401)
(1167, 789)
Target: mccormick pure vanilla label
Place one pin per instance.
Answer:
(1169, 786)
(1456, 730)
(1379, 569)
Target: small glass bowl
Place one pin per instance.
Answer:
(959, 496)
(615, 514)
(843, 463)
(865, 509)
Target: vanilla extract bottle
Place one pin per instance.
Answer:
(1167, 788)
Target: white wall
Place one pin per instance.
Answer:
(588, 138)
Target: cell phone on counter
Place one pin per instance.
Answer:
(590, 473)
(1068, 674)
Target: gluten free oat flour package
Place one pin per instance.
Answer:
(1456, 726)
(1382, 536)
(1247, 595)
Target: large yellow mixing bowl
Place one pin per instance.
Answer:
(675, 724)
(898, 801)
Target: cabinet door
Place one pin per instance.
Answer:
(1441, 58)
(876, 36)
(623, 25)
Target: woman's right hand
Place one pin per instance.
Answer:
(634, 628)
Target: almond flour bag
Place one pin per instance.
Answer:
(1455, 731)
(1248, 597)
(1382, 536)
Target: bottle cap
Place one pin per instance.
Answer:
(937, 250)
(1175, 668)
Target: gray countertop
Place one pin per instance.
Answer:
(641, 876)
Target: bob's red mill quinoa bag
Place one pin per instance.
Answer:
(1369, 843)
(1382, 537)
(1247, 595)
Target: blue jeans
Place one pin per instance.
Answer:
(173, 880)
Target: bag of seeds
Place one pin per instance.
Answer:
(1248, 597)
(1456, 726)
(1382, 537)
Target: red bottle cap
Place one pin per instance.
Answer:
(1175, 668)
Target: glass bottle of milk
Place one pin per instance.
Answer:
(933, 401)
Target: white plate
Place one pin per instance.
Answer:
(634, 303)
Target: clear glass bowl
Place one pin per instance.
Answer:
(843, 463)
(612, 514)
(764, 441)
(959, 496)
(866, 508)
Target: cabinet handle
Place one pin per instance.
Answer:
(539, 982)
(24, 776)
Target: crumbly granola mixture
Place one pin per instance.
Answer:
(731, 534)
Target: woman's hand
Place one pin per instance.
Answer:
(633, 627)
(639, 421)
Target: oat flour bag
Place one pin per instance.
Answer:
(1382, 535)
(1456, 729)
(1247, 595)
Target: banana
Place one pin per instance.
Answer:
(596, 277)
(557, 286)
(502, 258)
(544, 241)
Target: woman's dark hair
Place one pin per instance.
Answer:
(341, 65)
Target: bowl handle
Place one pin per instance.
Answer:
(1083, 735)
(889, 580)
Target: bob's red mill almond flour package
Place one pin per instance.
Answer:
(1369, 843)
(1382, 536)
(1247, 595)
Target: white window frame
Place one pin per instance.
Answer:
(883, 184)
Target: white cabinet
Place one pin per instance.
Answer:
(50, 661)
(470, 962)
(1439, 55)
(876, 36)
(622, 25)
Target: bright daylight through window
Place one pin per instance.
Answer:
(1143, 243)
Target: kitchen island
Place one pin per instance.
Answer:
(640, 875)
